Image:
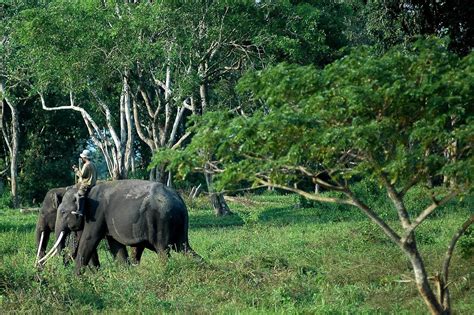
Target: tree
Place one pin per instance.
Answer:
(394, 22)
(12, 83)
(80, 51)
(384, 118)
(218, 42)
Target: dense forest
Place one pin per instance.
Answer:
(232, 96)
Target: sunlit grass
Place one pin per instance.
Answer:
(270, 257)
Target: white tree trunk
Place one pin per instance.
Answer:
(105, 138)
(12, 144)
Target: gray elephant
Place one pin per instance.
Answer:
(137, 213)
(46, 224)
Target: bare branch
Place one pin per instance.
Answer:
(108, 117)
(375, 218)
(178, 143)
(146, 99)
(447, 259)
(139, 129)
(191, 106)
(92, 127)
(177, 121)
(398, 202)
(308, 195)
(423, 215)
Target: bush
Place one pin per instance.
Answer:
(6, 200)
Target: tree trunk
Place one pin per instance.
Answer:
(12, 142)
(217, 200)
(421, 280)
(152, 175)
(14, 157)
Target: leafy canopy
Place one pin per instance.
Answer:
(396, 115)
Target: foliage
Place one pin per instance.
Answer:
(5, 200)
(388, 23)
(361, 116)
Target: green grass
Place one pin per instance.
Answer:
(270, 257)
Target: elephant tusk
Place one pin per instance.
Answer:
(53, 250)
(46, 258)
(39, 248)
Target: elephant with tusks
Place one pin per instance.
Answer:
(46, 223)
(137, 213)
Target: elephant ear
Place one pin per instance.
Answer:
(76, 199)
(56, 199)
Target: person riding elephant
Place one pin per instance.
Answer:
(137, 213)
(87, 179)
(46, 224)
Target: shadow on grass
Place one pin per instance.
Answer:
(209, 220)
(293, 215)
(277, 216)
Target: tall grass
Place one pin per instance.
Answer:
(272, 256)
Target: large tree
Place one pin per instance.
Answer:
(13, 80)
(217, 42)
(390, 119)
(80, 51)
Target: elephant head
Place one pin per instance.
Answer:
(64, 223)
(47, 219)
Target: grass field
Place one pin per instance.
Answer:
(270, 257)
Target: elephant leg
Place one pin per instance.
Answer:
(95, 259)
(119, 251)
(76, 238)
(162, 251)
(137, 252)
(87, 247)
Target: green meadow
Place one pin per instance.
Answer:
(276, 254)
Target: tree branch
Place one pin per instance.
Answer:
(308, 195)
(423, 215)
(108, 117)
(139, 129)
(447, 259)
(375, 218)
(177, 120)
(178, 143)
(397, 201)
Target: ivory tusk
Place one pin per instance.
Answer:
(48, 258)
(39, 247)
(53, 250)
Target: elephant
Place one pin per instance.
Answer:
(46, 224)
(138, 213)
